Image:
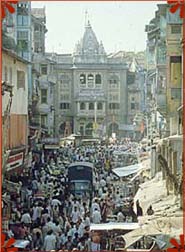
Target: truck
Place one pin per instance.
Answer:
(80, 179)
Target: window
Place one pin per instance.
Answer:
(22, 35)
(36, 27)
(175, 29)
(22, 20)
(133, 106)
(82, 79)
(82, 106)
(64, 85)
(114, 106)
(176, 93)
(64, 105)
(131, 78)
(113, 82)
(64, 96)
(176, 70)
(90, 80)
(100, 106)
(22, 9)
(44, 69)
(20, 79)
(44, 94)
(43, 120)
(22, 45)
(133, 99)
(98, 79)
(82, 130)
(91, 106)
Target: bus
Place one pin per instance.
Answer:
(80, 179)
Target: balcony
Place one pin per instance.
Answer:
(44, 108)
(90, 113)
(133, 88)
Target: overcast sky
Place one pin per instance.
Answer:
(120, 25)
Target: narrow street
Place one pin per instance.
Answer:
(92, 144)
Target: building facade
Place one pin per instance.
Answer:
(91, 90)
(164, 81)
(14, 111)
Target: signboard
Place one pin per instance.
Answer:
(15, 161)
(50, 140)
(126, 127)
(51, 147)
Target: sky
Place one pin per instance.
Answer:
(119, 25)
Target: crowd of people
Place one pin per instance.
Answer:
(50, 217)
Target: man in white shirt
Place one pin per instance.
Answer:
(26, 218)
(50, 241)
(96, 216)
(95, 205)
(75, 215)
(120, 217)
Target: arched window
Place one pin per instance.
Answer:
(82, 106)
(100, 106)
(98, 79)
(91, 106)
(114, 81)
(90, 80)
(82, 79)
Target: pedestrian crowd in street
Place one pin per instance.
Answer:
(50, 217)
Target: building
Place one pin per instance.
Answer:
(136, 98)
(14, 112)
(91, 96)
(43, 79)
(164, 81)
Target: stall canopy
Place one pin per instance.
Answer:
(114, 226)
(136, 234)
(127, 170)
(160, 227)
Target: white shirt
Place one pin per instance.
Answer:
(96, 217)
(75, 216)
(26, 218)
(55, 202)
(95, 246)
(50, 242)
(95, 206)
(120, 217)
(36, 213)
(87, 221)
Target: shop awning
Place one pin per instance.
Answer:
(114, 226)
(154, 228)
(127, 170)
(136, 234)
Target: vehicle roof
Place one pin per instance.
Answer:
(81, 163)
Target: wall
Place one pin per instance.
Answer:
(18, 123)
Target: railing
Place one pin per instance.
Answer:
(90, 113)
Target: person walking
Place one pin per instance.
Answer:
(139, 209)
(96, 216)
(50, 241)
(150, 211)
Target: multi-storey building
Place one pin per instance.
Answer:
(42, 110)
(164, 57)
(136, 93)
(91, 90)
(14, 111)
